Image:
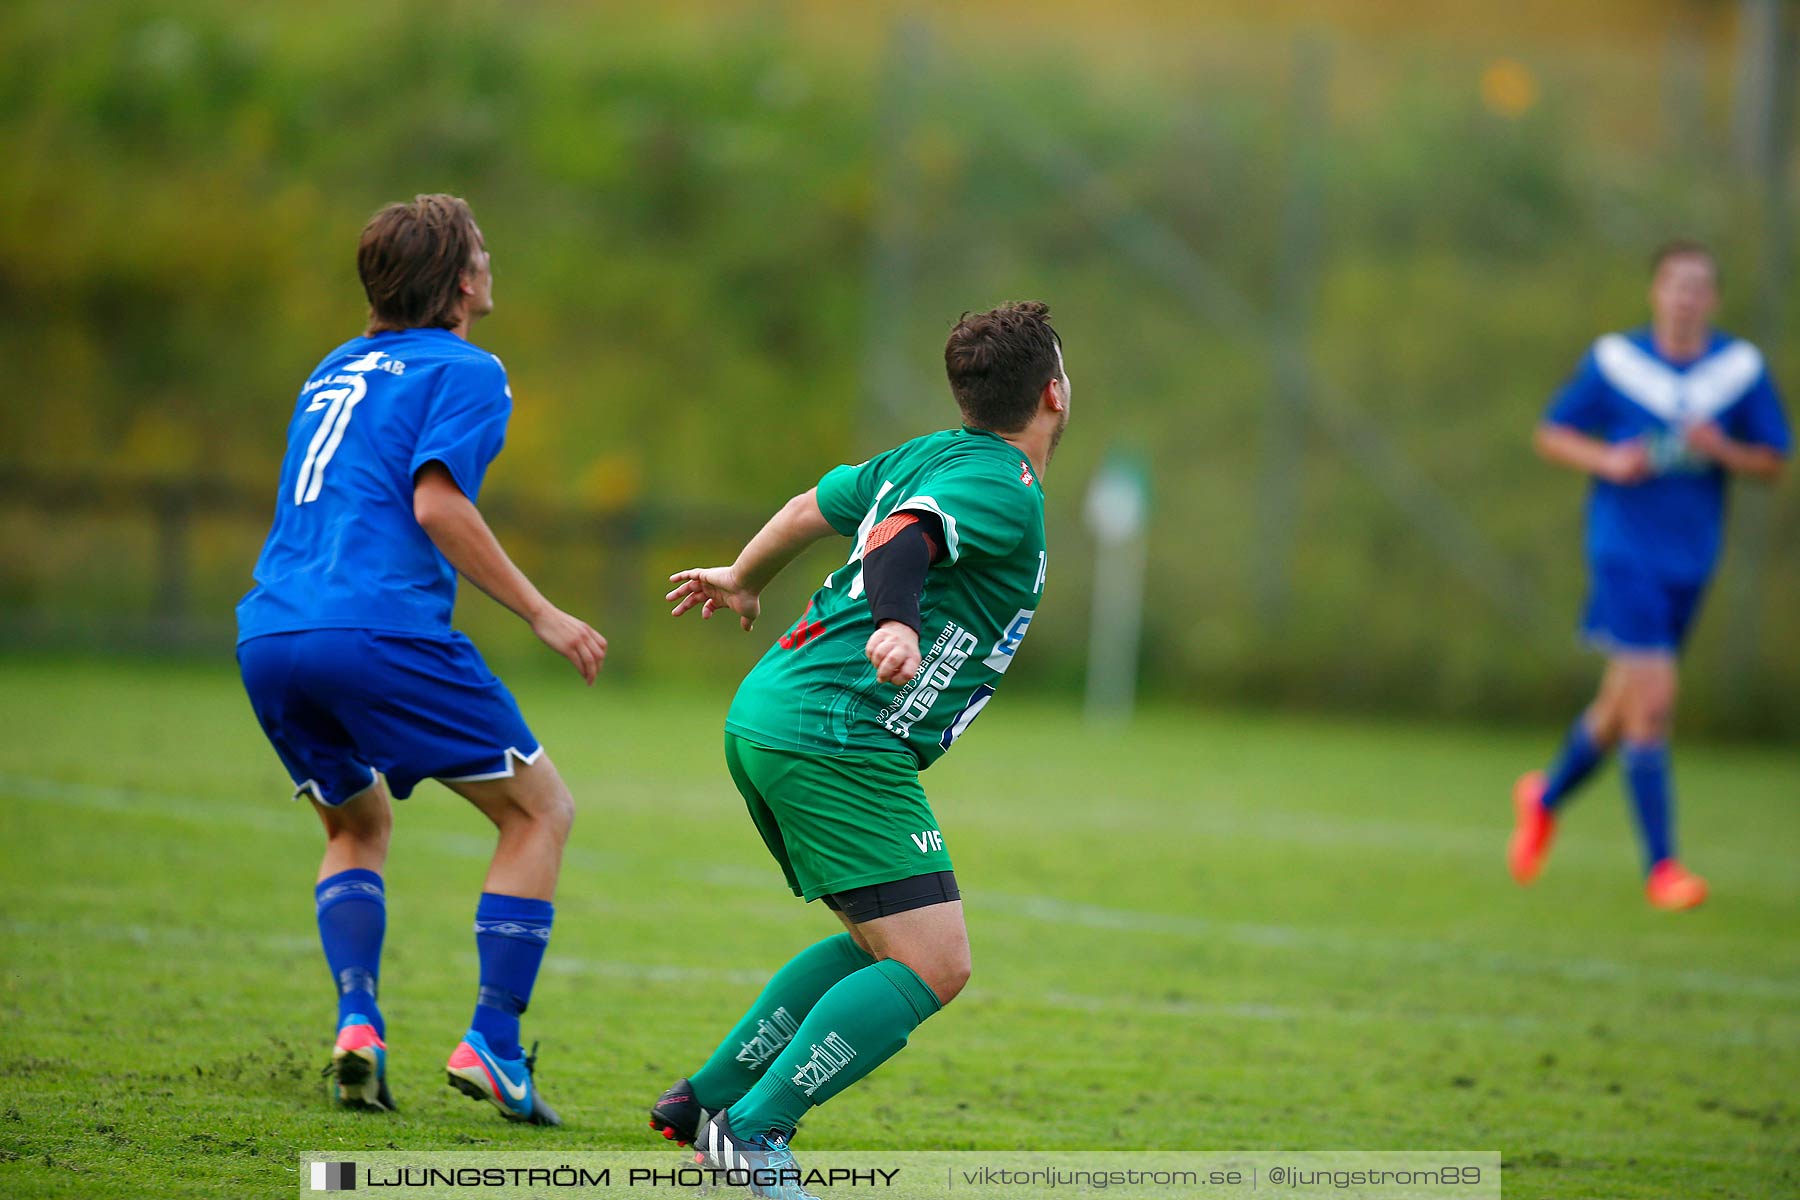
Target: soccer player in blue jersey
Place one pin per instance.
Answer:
(1659, 417)
(350, 662)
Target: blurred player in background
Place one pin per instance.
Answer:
(1659, 417)
(892, 659)
(348, 656)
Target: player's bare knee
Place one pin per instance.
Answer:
(945, 967)
(856, 935)
(1657, 706)
(559, 814)
(1602, 721)
(546, 820)
(546, 799)
(1650, 722)
(1648, 719)
(951, 976)
(365, 820)
(373, 832)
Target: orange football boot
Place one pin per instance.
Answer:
(1533, 827)
(1672, 887)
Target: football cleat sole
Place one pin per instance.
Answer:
(669, 1132)
(359, 1081)
(541, 1113)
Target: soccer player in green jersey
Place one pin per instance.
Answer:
(895, 655)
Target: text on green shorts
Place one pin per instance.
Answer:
(838, 821)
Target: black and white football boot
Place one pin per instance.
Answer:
(764, 1164)
(677, 1115)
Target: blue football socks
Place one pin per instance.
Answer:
(1579, 756)
(1647, 779)
(352, 908)
(511, 933)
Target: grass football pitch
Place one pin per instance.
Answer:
(1212, 931)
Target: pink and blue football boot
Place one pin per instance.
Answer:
(506, 1083)
(358, 1067)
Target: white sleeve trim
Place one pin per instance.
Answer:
(952, 543)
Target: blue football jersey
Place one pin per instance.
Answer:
(1624, 389)
(345, 551)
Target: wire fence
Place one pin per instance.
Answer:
(1320, 281)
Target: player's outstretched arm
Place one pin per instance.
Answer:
(739, 587)
(457, 529)
(1620, 462)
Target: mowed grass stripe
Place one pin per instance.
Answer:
(1031, 908)
(1213, 930)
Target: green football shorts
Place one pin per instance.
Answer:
(838, 821)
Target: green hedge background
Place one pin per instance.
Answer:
(728, 240)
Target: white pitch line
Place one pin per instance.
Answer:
(679, 975)
(281, 818)
(1431, 952)
(1046, 909)
(1532, 1027)
(157, 935)
(1121, 817)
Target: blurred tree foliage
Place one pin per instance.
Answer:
(681, 205)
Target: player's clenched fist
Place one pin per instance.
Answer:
(893, 650)
(1626, 462)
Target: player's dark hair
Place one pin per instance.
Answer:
(1682, 248)
(999, 362)
(412, 258)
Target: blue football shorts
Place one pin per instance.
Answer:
(340, 705)
(1634, 611)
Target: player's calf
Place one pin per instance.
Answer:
(533, 811)
(760, 1035)
(534, 814)
(931, 940)
(352, 920)
(867, 1016)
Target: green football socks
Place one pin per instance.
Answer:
(859, 1024)
(772, 1021)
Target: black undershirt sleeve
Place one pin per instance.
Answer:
(894, 572)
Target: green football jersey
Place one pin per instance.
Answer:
(815, 691)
